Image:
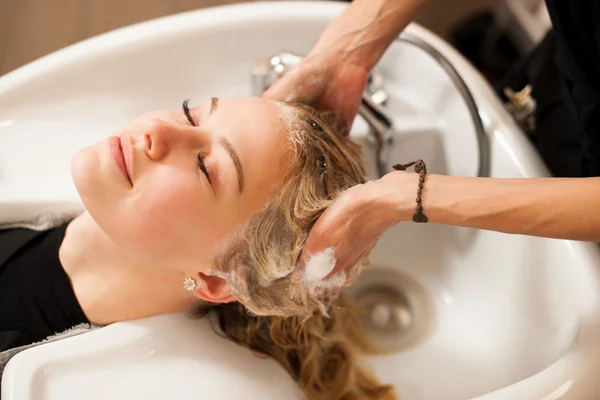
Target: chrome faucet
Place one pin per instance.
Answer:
(266, 72)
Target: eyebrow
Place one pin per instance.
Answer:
(214, 103)
(236, 161)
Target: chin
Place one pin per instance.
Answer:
(85, 171)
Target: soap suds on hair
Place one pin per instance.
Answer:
(317, 268)
(319, 265)
(333, 284)
(336, 281)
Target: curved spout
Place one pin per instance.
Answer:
(482, 139)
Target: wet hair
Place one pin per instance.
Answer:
(316, 337)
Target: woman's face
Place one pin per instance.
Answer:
(188, 185)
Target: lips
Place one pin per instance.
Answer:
(127, 155)
(120, 151)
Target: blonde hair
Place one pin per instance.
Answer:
(317, 339)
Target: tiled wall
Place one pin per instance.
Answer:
(30, 29)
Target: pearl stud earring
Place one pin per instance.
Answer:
(189, 283)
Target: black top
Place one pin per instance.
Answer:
(36, 296)
(576, 27)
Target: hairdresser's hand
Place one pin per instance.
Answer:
(355, 221)
(320, 80)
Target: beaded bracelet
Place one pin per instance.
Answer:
(421, 169)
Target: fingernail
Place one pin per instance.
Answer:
(296, 276)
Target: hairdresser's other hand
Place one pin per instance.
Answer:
(356, 220)
(324, 82)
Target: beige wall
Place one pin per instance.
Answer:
(30, 29)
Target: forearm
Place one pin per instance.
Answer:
(363, 32)
(547, 207)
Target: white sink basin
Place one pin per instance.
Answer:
(513, 317)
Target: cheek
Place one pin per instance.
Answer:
(93, 180)
(171, 219)
(84, 171)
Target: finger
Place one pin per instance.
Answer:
(277, 91)
(282, 88)
(315, 266)
(339, 266)
(346, 92)
(298, 273)
(348, 116)
(351, 267)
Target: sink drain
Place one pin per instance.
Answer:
(396, 310)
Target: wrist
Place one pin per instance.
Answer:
(365, 30)
(339, 52)
(397, 192)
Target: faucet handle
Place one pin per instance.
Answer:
(267, 72)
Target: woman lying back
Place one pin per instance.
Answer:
(208, 205)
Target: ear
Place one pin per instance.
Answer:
(213, 289)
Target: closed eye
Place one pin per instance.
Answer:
(200, 157)
(186, 112)
(203, 168)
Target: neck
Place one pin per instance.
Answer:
(109, 286)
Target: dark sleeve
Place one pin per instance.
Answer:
(576, 25)
(36, 296)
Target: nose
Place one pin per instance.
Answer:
(163, 138)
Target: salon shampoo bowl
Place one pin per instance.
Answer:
(508, 317)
